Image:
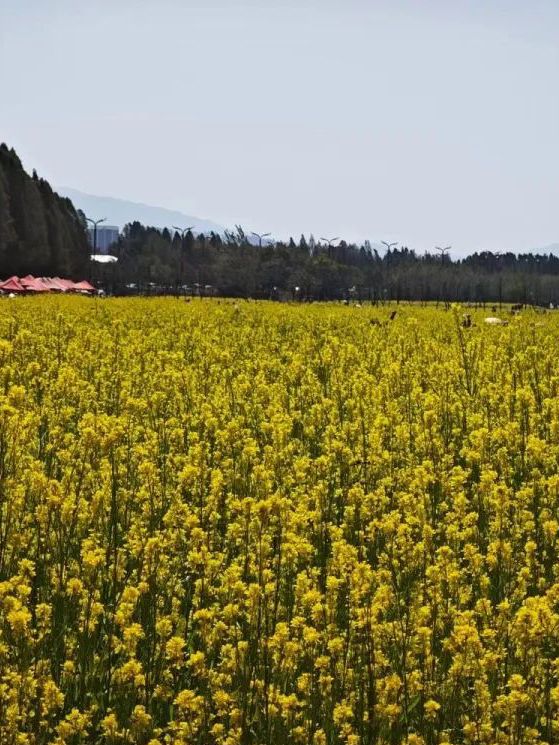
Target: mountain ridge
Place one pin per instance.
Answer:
(119, 212)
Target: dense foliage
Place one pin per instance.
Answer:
(233, 522)
(234, 266)
(40, 232)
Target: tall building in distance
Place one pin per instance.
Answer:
(107, 235)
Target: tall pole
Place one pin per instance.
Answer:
(183, 232)
(497, 255)
(443, 251)
(329, 241)
(260, 236)
(95, 223)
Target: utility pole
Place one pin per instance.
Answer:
(260, 236)
(183, 232)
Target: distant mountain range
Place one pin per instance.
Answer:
(119, 212)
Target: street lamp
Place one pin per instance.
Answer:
(183, 232)
(260, 236)
(443, 251)
(329, 241)
(95, 223)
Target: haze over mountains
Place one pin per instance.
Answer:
(120, 212)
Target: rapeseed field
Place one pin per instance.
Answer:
(240, 523)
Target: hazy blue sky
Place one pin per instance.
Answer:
(424, 121)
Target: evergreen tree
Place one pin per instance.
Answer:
(40, 232)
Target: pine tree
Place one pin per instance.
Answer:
(40, 232)
(7, 232)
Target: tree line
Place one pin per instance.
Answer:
(150, 259)
(41, 233)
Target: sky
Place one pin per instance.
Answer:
(428, 122)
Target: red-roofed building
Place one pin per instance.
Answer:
(32, 284)
(84, 286)
(66, 283)
(12, 285)
(52, 284)
(44, 284)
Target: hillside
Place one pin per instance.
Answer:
(120, 212)
(41, 233)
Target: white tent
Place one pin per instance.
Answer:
(103, 258)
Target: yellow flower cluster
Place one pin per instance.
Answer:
(235, 523)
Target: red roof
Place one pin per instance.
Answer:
(44, 284)
(53, 283)
(32, 285)
(43, 281)
(84, 285)
(66, 283)
(12, 285)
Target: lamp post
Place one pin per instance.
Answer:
(183, 232)
(95, 223)
(260, 236)
(389, 246)
(443, 251)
